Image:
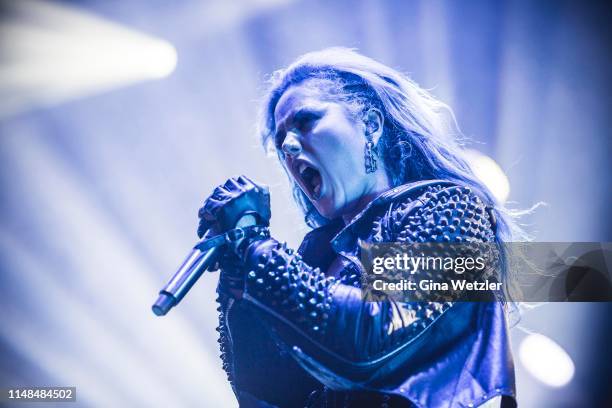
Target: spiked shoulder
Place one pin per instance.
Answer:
(440, 214)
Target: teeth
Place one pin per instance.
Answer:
(302, 171)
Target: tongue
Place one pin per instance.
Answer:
(315, 183)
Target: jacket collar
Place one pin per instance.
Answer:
(346, 240)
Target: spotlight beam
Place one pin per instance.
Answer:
(52, 53)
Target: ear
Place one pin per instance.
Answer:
(373, 121)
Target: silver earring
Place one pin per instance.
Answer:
(370, 156)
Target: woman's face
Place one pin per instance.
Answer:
(323, 148)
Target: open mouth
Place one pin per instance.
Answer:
(311, 179)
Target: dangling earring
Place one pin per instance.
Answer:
(370, 155)
(371, 127)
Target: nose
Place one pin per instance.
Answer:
(291, 144)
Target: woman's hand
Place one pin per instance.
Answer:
(238, 199)
(229, 202)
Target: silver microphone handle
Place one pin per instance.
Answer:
(190, 271)
(187, 274)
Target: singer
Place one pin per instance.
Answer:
(371, 157)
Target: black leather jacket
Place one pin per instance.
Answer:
(302, 335)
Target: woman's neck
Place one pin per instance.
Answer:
(364, 200)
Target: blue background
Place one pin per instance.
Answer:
(99, 194)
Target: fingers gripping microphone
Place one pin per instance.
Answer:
(241, 208)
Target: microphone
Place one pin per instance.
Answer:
(203, 256)
(187, 274)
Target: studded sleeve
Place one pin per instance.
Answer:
(332, 314)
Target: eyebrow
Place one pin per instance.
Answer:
(290, 117)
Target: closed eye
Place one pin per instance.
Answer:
(305, 120)
(302, 120)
